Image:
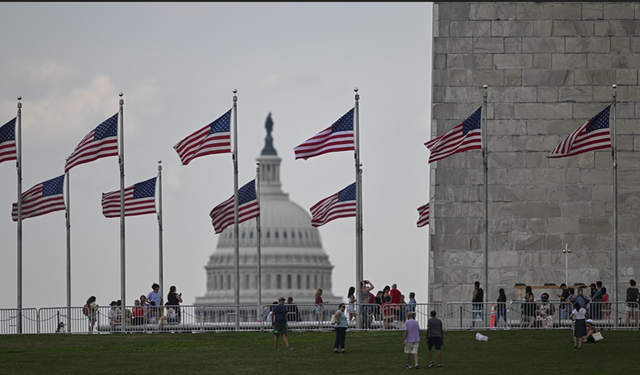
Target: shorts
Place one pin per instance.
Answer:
(173, 320)
(631, 307)
(351, 308)
(437, 341)
(318, 310)
(280, 328)
(411, 347)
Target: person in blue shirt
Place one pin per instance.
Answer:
(279, 323)
(411, 306)
(341, 325)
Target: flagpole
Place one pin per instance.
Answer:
(614, 156)
(160, 229)
(19, 170)
(236, 230)
(485, 240)
(428, 261)
(68, 225)
(359, 253)
(122, 226)
(259, 242)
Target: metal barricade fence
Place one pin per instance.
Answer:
(63, 320)
(603, 314)
(517, 314)
(467, 315)
(16, 321)
(303, 316)
(523, 314)
(613, 315)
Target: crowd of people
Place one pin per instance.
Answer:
(148, 309)
(593, 299)
(387, 305)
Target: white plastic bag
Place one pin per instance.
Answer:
(481, 337)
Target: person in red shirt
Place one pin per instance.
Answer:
(138, 314)
(319, 304)
(396, 295)
(389, 313)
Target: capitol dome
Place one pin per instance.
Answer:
(293, 262)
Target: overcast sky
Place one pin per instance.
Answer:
(177, 65)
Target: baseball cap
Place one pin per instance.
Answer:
(589, 321)
(113, 303)
(563, 284)
(281, 299)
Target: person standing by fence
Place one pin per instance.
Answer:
(501, 308)
(351, 300)
(319, 304)
(365, 308)
(477, 307)
(174, 299)
(632, 299)
(90, 310)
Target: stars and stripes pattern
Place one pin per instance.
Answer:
(463, 137)
(337, 137)
(41, 199)
(592, 135)
(223, 214)
(101, 142)
(423, 215)
(339, 205)
(139, 199)
(8, 141)
(214, 138)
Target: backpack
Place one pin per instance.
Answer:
(86, 309)
(333, 319)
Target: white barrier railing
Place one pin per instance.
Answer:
(467, 315)
(16, 321)
(304, 317)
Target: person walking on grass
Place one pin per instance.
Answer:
(435, 337)
(279, 323)
(411, 339)
(341, 325)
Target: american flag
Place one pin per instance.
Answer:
(214, 138)
(99, 143)
(223, 214)
(8, 141)
(337, 137)
(41, 199)
(465, 136)
(139, 199)
(341, 204)
(592, 135)
(423, 215)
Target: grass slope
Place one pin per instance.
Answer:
(506, 352)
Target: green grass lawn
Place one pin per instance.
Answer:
(506, 352)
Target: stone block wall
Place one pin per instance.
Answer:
(549, 67)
